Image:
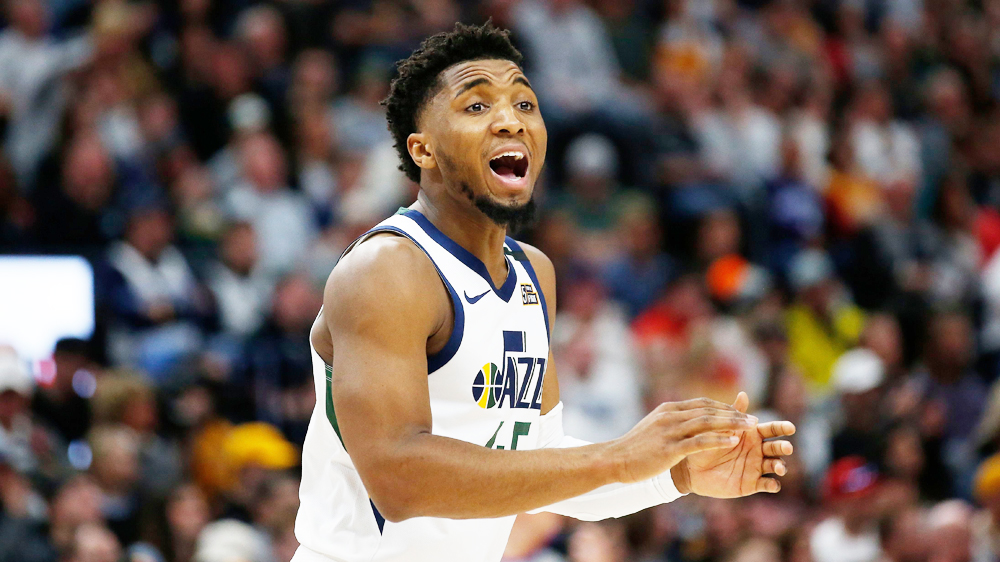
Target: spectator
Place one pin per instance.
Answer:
(281, 218)
(643, 271)
(17, 429)
(592, 195)
(279, 364)
(124, 399)
(78, 214)
(886, 149)
(601, 390)
(187, 513)
(223, 540)
(157, 302)
(116, 470)
(34, 62)
(857, 379)
(241, 293)
(850, 533)
(65, 404)
(950, 527)
(952, 387)
(904, 537)
(822, 322)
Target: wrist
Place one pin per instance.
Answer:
(681, 476)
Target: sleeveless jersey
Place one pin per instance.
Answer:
(485, 388)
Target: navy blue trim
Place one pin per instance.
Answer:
(437, 360)
(534, 279)
(465, 256)
(379, 520)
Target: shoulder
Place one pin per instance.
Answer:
(539, 261)
(386, 275)
(544, 270)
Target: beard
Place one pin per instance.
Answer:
(513, 218)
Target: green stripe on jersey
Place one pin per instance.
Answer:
(330, 413)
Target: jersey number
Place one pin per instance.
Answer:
(520, 428)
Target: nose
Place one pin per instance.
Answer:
(507, 122)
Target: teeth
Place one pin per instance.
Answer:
(518, 155)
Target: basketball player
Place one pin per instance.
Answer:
(438, 416)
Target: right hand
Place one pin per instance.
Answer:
(673, 431)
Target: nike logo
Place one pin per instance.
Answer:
(475, 299)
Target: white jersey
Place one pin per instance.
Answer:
(485, 388)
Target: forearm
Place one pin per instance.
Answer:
(436, 476)
(612, 500)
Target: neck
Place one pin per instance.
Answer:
(469, 228)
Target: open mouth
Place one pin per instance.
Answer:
(510, 165)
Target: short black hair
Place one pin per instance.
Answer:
(417, 77)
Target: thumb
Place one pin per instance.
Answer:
(742, 402)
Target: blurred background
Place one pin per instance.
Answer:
(796, 198)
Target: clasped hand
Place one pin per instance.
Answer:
(711, 449)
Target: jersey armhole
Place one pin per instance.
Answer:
(518, 254)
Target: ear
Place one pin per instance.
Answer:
(418, 145)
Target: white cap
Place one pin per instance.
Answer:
(14, 373)
(249, 113)
(592, 155)
(808, 268)
(859, 370)
(229, 540)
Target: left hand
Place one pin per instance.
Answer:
(739, 470)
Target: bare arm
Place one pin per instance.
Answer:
(382, 304)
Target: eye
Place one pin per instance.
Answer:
(526, 106)
(476, 107)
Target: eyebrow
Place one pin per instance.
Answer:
(480, 81)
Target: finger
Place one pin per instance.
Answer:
(774, 466)
(777, 448)
(699, 412)
(776, 429)
(742, 402)
(710, 423)
(706, 441)
(769, 485)
(693, 404)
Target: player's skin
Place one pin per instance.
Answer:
(385, 309)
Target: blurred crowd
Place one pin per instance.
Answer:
(796, 198)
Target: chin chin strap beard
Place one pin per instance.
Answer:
(514, 218)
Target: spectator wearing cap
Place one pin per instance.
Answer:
(262, 34)
(247, 114)
(986, 522)
(253, 455)
(950, 531)
(591, 181)
(158, 306)
(229, 540)
(64, 405)
(850, 534)
(857, 381)
(822, 322)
